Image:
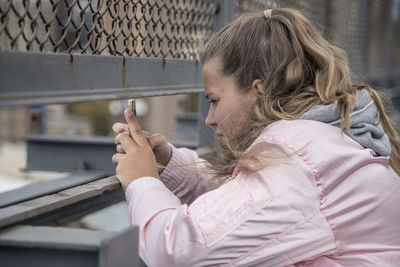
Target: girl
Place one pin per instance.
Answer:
(307, 173)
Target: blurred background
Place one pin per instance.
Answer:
(174, 116)
(368, 31)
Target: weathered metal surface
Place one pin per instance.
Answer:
(121, 249)
(49, 208)
(225, 13)
(58, 246)
(74, 153)
(47, 78)
(39, 189)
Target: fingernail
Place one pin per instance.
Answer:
(128, 113)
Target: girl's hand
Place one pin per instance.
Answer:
(157, 142)
(138, 159)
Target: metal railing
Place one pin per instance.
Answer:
(62, 51)
(74, 31)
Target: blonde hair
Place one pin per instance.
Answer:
(299, 69)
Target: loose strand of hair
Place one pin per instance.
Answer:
(389, 129)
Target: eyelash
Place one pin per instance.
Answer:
(212, 101)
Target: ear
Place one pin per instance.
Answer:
(258, 86)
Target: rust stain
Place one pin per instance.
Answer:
(71, 66)
(196, 72)
(123, 72)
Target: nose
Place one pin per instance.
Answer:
(210, 120)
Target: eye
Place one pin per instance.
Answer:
(213, 101)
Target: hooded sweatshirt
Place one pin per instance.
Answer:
(365, 126)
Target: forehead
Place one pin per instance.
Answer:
(215, 82)
(212, 76)
(212, 67)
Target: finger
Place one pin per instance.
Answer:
(134, 128)
(156, 140)
(148, 136)
(120, 149)
(116, 158)
(120, 127)
(118, 137)
(146, 133)
(127, 143)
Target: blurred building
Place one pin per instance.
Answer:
(14, 124)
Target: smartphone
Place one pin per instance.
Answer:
(132, 105)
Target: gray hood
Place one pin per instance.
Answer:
(366, 128)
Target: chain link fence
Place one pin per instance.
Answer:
(368, 30)
(146, 28)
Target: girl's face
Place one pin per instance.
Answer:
(228, 107)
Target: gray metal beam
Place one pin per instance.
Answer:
(35, 190)
(57, 246)
(225, 13)
(75, 153)
(66, 205)
(28, 78)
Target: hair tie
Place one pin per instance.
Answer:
(268, 13)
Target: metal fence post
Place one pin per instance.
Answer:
(225, 14)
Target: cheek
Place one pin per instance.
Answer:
(228, 117)
(221, 112)
(237, 114)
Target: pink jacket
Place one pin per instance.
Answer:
(327, 202)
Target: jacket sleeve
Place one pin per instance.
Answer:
(185, 175)
(270, 217)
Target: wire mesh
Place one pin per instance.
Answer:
(367, 30)
(147, 28)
